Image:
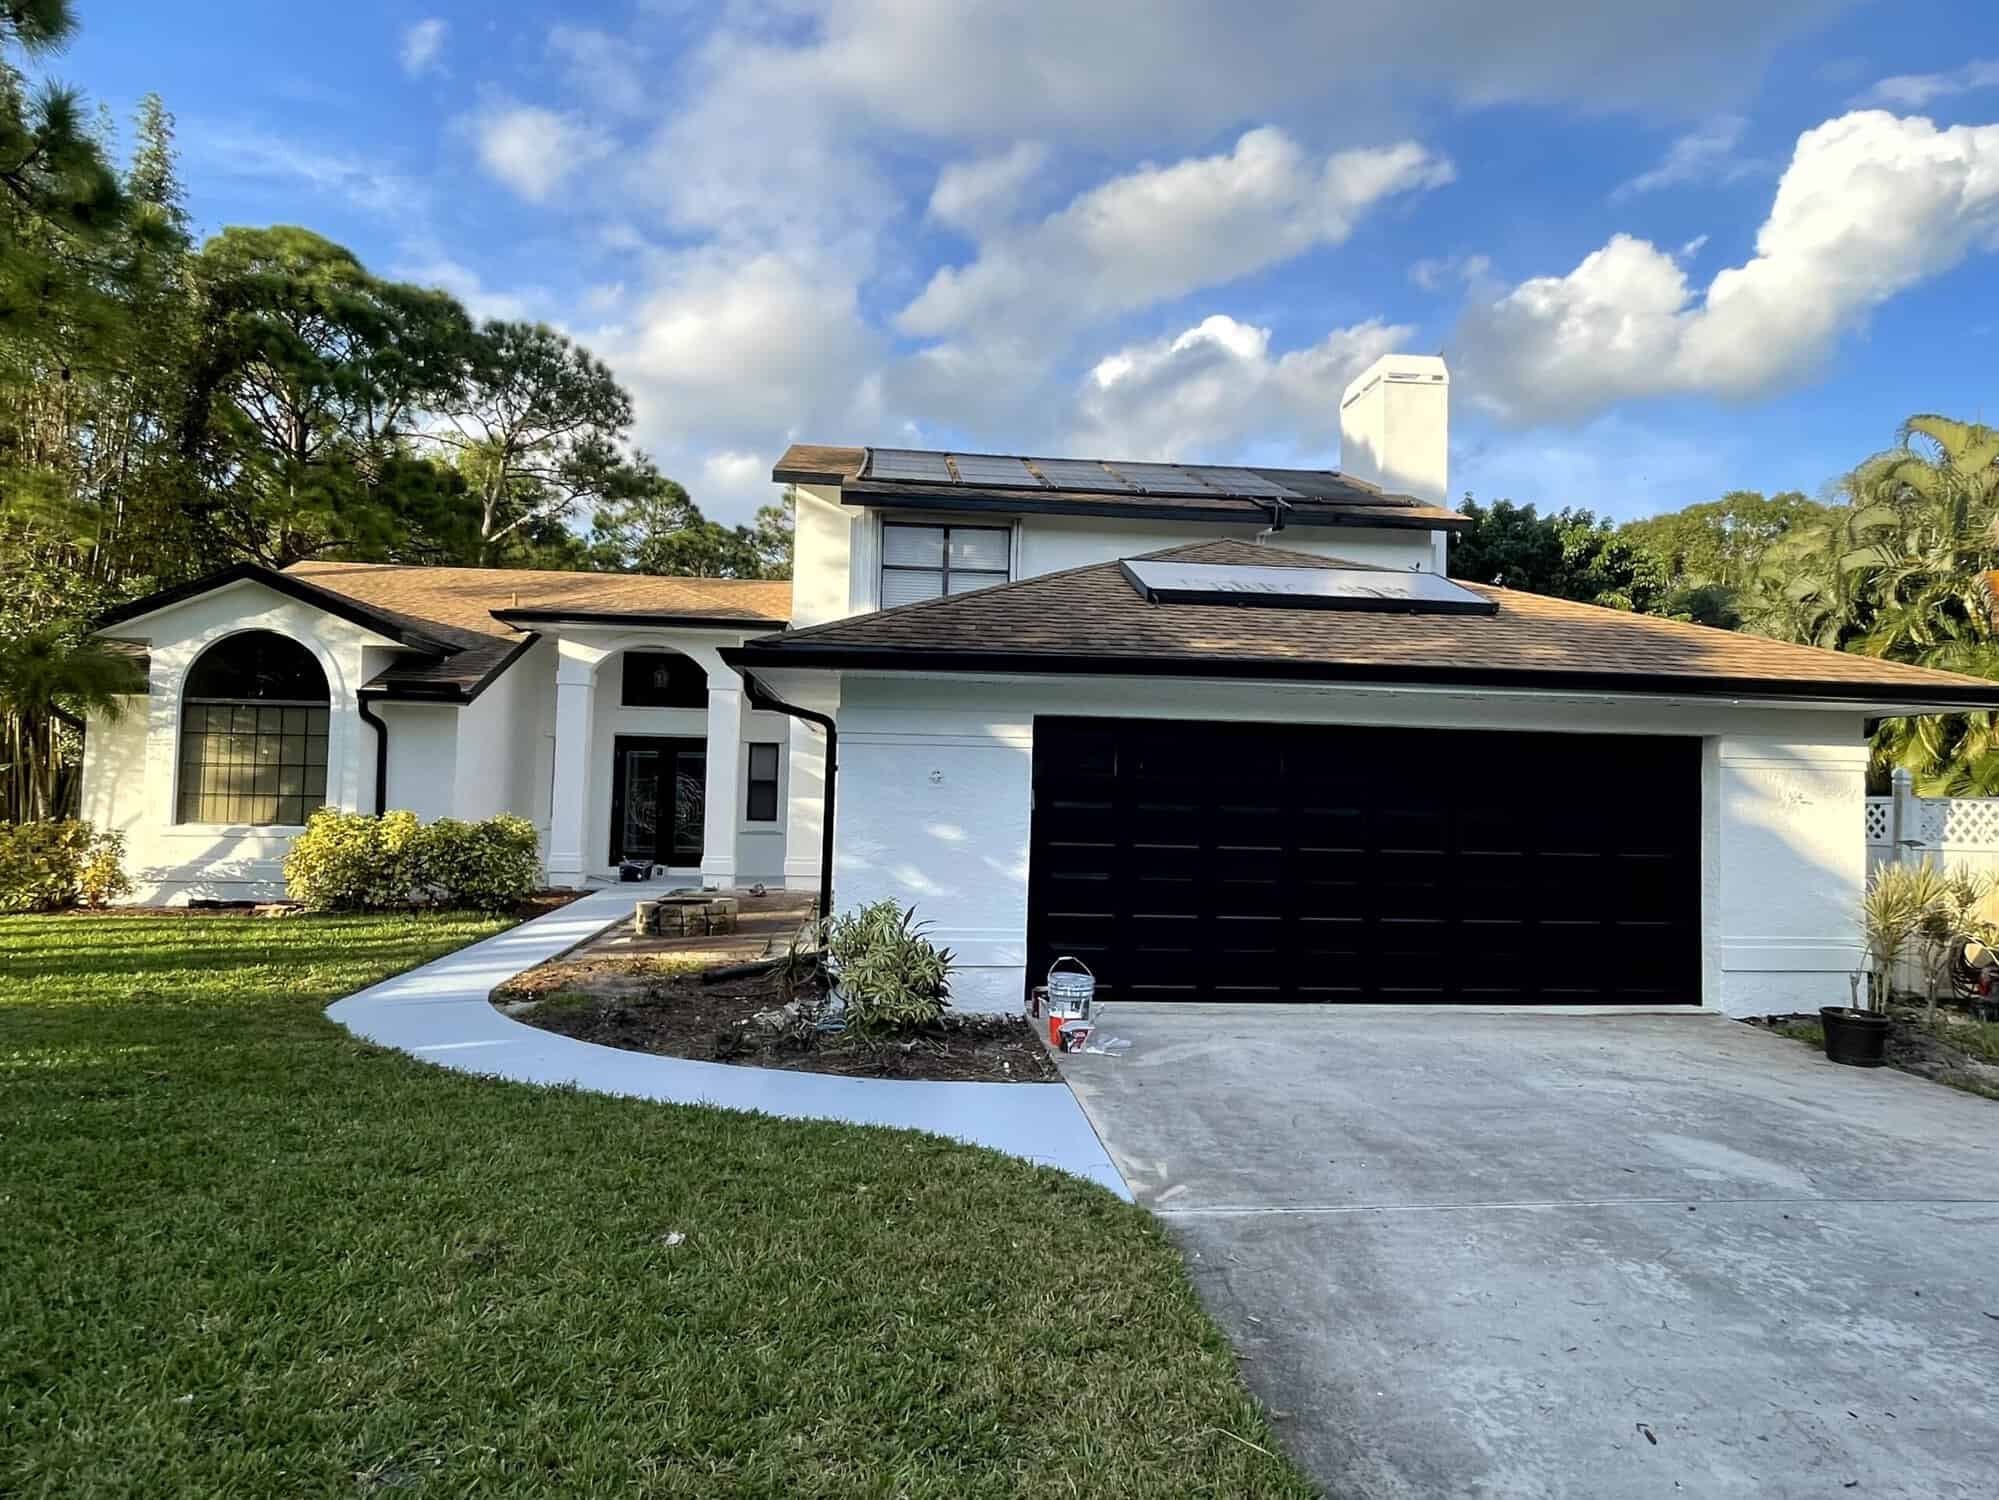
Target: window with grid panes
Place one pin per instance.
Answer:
(253, 733)
(927, 562)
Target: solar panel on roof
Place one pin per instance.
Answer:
(1161, 479)
(1328, 485)
(1378, 589)
(909, 464)
(1238, 481)
(994, 469)
(1080, 474)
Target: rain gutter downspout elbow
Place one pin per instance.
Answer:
(762, 697)
(364, 702)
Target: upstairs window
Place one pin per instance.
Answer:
(928, 562)
(253, 732)
(664, 679)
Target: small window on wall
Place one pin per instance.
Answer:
(253, 732)
(664, 679)
(763, 784)
(927, 562)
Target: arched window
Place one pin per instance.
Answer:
(253, 733)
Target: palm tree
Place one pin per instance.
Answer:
(49, 679)
(1899, 570)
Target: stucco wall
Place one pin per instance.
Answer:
(1047, 544)
(935, 808)
(135, 785)
(837, 564)
(423, 758)
(502, 738)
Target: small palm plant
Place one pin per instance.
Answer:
(891, 976)
(1926, 912)
(1898, 901)
(1957, 913)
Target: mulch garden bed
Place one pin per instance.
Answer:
(1966, 1062)
(676, 1015)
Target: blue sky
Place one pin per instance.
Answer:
(1668, 249)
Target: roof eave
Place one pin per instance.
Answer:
(531, 616)
(329, 600)
(1881, 700)
(452, 693)
(1239, 511)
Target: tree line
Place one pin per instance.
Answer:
(1895, 560)
(169, 407)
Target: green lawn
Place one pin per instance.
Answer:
(244, 1254)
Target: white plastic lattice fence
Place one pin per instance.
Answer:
(1877, 819)
(1960, 822)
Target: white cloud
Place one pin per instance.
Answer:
(745, 352)
(984, 193)
(1161, 232)
(1216, 388)
(1919, 90)
(1129, 70)
(1434, 273)
(423, 46)
(370, 186)
(533, 150)
(1703, 155)
(610, 72)
(1693, 247)
(1870, 205)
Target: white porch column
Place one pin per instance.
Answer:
(804, 818)
(569, 808)
(722, 809)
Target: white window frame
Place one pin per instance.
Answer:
(776, 819)
(943, 571)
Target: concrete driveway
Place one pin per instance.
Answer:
(1518, 1255)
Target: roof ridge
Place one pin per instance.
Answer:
(344, 563)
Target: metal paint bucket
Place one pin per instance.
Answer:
(1071, 994)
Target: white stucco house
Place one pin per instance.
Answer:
(1224, 732)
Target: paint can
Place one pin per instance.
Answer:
(1071, 994)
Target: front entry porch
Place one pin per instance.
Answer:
(659, 800)
(655, 756)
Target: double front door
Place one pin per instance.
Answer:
(659, 797)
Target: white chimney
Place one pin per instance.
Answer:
(1395, 430)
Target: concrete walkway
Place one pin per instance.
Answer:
(441, 1014)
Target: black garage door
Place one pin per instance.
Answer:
(1197, 861)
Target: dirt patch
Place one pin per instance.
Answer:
(1954, 1050)
(621, 1004)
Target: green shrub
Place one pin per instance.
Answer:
(47, 866)
(891, 977)
(353, 862)
(489, 866)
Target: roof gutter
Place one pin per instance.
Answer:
(525, 615)
(762, 697)
(1887, 698)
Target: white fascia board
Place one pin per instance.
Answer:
(133, 628)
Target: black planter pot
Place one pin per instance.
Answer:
(1857, 1038)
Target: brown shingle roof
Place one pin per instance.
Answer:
(1091, 619)
(457, 605)
(818, 463)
